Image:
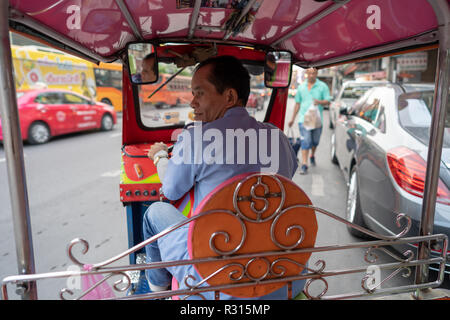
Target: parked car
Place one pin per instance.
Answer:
(45, 113)
(348, 94)
(381, 145)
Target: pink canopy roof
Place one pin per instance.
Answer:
(314, 31)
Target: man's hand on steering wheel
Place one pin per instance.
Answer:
(155, 148)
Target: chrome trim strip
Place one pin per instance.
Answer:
(126, 13)
(194, 19)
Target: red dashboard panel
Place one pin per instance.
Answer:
(139, 180)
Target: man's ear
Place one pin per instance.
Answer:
(232, 97)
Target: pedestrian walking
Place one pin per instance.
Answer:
(312, 95)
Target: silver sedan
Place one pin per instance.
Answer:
(380, 143)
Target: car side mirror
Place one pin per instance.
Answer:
(278, 69)
(142, 63)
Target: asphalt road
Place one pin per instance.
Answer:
(73, 188)
(73, 191)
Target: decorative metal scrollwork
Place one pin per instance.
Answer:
(402, 216)
(371, 257)
(256, 277)
(255, 196)
(267, 269)
(124, 279)
(215, 235)
(258, 212)
(399, 217)
(369, 282)
(288, 231)
(262, 206)
(72, 244)
(321, 294)
(120, 285)
(274, 266)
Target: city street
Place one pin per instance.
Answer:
(73, 190)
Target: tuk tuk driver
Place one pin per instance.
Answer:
(220, 88)
(148, 73)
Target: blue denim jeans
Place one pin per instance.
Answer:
(159, 216)
(310, 138)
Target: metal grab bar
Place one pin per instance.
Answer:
(12, 141)
(442, 10)
(314, 274)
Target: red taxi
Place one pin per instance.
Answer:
(47, 112)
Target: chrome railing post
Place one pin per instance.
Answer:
(12, 143)
(440, 103)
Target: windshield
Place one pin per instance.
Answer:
(108, 78)
(19, 94)
(170, 105)
(354, 91)
(414, 110)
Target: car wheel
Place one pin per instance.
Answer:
(333, 149)
(38, 133)
(107, 123)
(353, 210)
(107, 101)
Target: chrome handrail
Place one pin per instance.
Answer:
(274, 272)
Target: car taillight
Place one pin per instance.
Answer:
(408, 170)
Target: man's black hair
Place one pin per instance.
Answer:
(228, 72)
(149, 56)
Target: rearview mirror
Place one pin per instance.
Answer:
(278, 69)
(142, 63)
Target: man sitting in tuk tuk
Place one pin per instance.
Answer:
(147, 73)
(220, 88)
